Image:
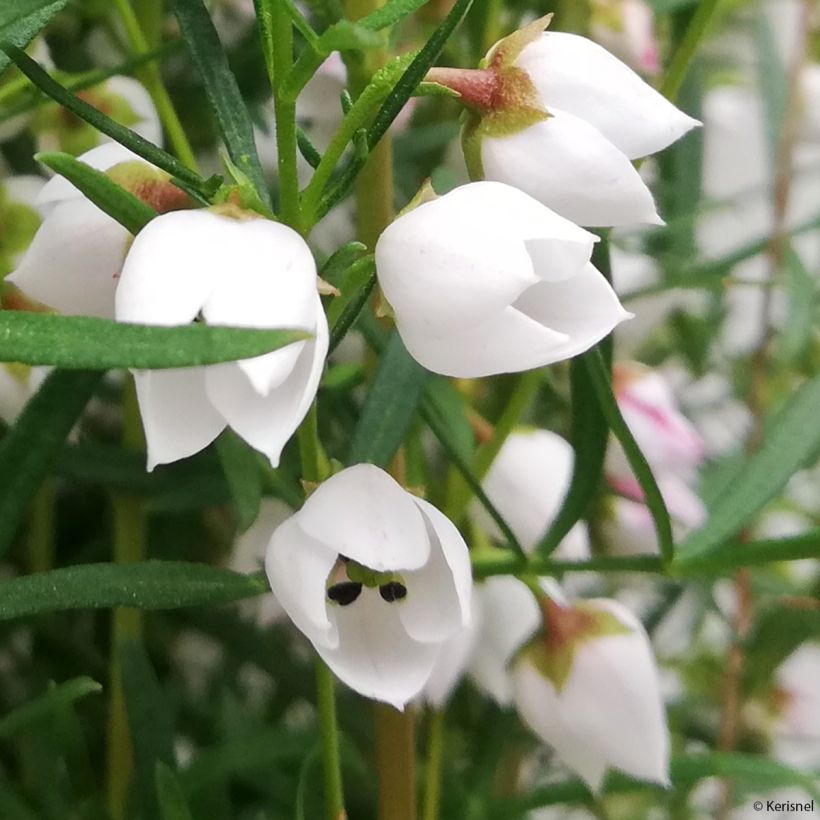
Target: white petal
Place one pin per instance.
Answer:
(267, 422)
(271, 282)
(447, 264)
(23, 189)
(375, 655)
(506, 343)
(577, 75)
(135, 94)
(585, 309)
(177, 416)
(438, 595)
(73, 261)
(569, 166)
(102, 158)
(298, 567)
(366, 516)
(510, 616)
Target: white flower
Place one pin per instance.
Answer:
(245, 272)
(377, 579)
(527, 483)
(627, 29)
(589, 687)
(18, 383)
(89, 244)
(486, 280)
(563, 123)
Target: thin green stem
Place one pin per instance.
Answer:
(505, 562)
(682, 59)
(315, 464)
(361, 111)
(329, 730)
(395, 760)
(435, 758)
(130, 535)
(152, 80)
(279, 58)
(41, 527)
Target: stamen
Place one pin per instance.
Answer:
(393, 591)
(344, 593)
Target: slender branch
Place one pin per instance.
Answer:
(701, 21)
(435, 758)
(328, 727)
(395, 759)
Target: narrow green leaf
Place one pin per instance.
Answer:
(392, 12)
(351, 307)
(145, 585)
(802, 292)
(389, 407)
(83, 342)
(599, 378)
(792, 440)
(132, 213)
(149, 720)
(222, 90)
(22, 21)
(125, 136)
(589, 436)
(46, 704)
(243, 475)
(28, 449)
(172, 802)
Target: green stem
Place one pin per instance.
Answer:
(328, 727)
(130, 535)
(505, 562)
(395, 760)
(435, 758)
(41, 528)
(279, 58)
(152, 80)
(682, 59)
(315, 464)
(520, 399)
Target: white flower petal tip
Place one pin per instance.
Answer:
(589, 687)
(378, 580)
(241, 272)
(486, 280)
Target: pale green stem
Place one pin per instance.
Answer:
(685, 53)
(152, 80)
(315, 463)
(395, 760)
(435, 758)
(519, 402)
(130, 534)
(329, 730)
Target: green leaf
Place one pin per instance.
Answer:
(44, 706)
(81, 342)
(172, 802)
(119, 133)
(149, 720)
(589, 437)
(392, 12)
(132, 213)
(28, 449)
(145, 585)
(222, 91)
(243, 475)
(345, 309)
(802, 292)
(599, 378)
(792, 440)
(389, 407)
(22, 21)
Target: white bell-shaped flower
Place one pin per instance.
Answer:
(377, 579)
(588, 686)
(242, 272)
(90, 245)
(526, 483)
(485, 280)
(563, 123)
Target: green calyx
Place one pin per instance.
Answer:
(368, 577)
(566, 630)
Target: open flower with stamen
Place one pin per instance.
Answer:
(377, 579)
(90, 245)
(224, 267)
(561, 118)
(588, 686)
(486, 280)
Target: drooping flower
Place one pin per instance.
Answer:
(588, 686)
(526, 483)
(90, 245)
(486, 280)
(559, 117)
(238, 270)
(377, 579)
